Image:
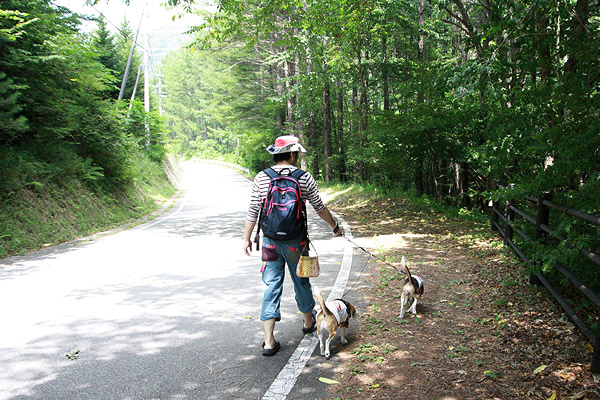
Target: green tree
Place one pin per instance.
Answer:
(56, 122)
(445, 97)
(124, 42)
(108, 54)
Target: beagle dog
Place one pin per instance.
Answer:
(412, 288)
(333, 315)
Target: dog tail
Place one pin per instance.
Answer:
(320, 300)
(406, 270)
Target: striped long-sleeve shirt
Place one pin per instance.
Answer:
(260, 187)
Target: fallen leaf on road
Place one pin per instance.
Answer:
(73, 355)
(328, 381)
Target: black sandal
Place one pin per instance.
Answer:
(271, 352)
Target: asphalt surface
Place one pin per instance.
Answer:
(166, 310)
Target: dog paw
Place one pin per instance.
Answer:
(344, 341)
(401, 316)
(328, 356)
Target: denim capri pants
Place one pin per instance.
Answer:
(277, 253)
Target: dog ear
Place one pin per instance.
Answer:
(352, 311)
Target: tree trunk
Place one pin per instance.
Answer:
(340, 133)
(312, 133)
(545, 59)
(327, 131)
(299, 127)
(362, 113)
(355, 108)
(579, 25)
(384, 70)
(289, 98)
(278, 80)
(326, 120)
(421, 45)
(419, 182)
(313, 143)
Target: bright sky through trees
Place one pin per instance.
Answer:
(156, 16)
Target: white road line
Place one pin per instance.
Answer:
(163, 218)
(285, 381)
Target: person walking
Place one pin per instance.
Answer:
(276, 253)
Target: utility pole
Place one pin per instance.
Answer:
(137, 79)
(147, 89)
(160, 93)
(147, 76)
(124, 83)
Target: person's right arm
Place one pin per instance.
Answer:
(248, 228)
(315, 200)
(253, 211)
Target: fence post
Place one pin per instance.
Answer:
(542, 218)
(510, 217)
(596, 355)
(495, 211)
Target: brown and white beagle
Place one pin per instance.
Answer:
(333, 315)
(412, 288)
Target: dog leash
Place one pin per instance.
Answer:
(373, 255)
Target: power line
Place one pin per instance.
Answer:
(123, 33)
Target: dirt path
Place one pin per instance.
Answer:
(481, 331)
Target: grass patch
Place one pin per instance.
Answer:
(362, 194)
(50, 213)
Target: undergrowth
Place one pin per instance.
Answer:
(385, 204)
(348, 193)
(49, 212)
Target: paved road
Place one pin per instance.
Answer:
(166, 310)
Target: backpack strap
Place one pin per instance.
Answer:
(297, 174)
(271, 173)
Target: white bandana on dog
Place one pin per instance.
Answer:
(339, 311)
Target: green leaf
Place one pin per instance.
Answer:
(490, 374)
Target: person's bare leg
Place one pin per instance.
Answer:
(308, 319)
(269, 327)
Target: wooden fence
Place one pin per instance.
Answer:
(503, 221)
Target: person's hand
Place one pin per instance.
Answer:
(247, 247)
(338, 230)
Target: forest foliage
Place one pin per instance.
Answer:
(444, 98)
(62, 130)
